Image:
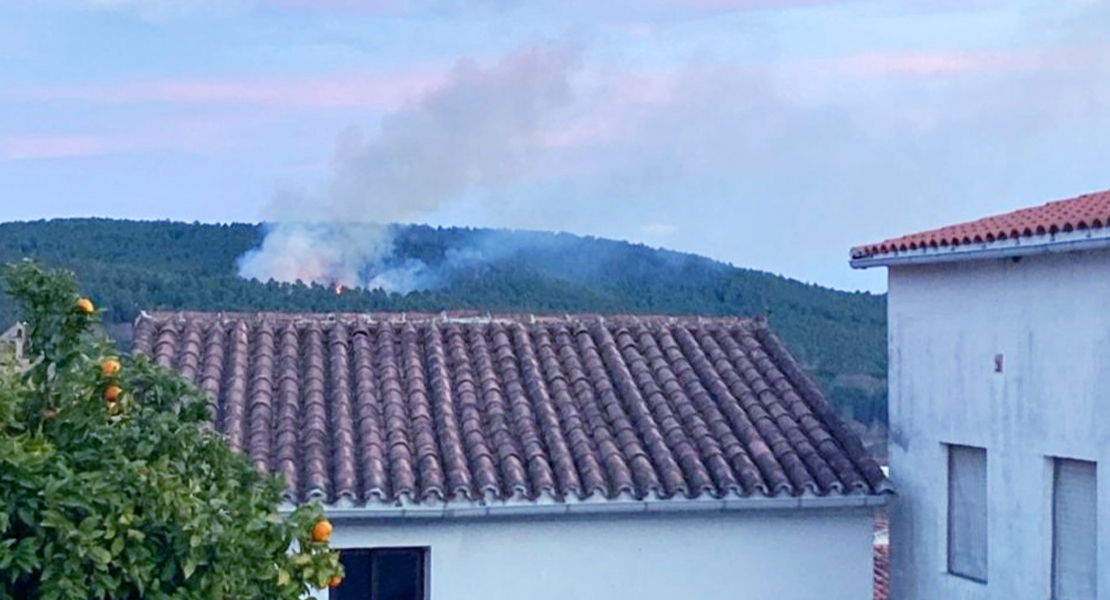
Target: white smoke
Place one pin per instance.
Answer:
(318, 252)
(476, 131)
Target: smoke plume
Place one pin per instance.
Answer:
(476, 131)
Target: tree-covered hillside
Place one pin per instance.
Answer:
(130, 266)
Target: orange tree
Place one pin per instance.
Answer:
(114, 486)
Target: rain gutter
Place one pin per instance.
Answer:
(458, 510)
(1074, 241)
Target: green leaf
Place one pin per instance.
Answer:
(100, 555)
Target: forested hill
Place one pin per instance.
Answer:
(129, 266)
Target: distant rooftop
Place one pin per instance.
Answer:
(1063, 224)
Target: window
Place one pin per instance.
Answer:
(967, 512)
(1074, 536)
(382, 574)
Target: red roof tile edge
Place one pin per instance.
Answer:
(881, 571)
(1083, 213)
(880, 555)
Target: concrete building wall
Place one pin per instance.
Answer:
(750, 555)
(1048, 318)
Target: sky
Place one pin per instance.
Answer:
(771, 134)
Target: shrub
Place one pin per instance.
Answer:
(135, 497)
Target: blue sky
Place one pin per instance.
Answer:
(771, 134)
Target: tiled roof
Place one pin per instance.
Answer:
(880, 556)
(881, 571)
(370, 410)
(1089, 211)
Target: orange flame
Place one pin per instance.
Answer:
(338, 289)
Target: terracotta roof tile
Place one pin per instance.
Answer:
(881, 571)
(881, 555)
(377, 409)
(1089, 211)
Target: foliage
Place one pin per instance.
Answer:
(135, 498)
(130, 266)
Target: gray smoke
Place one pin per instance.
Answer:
(475, 131)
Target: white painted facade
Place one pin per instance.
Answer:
(799, 554)
(1048, 317)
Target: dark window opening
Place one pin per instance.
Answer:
(382, 574)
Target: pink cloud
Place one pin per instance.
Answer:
(583, 132)
(640, 29)
(619, 106)
(402, 5)
(341, 5)
(642, 86)
(56, 146)
(182, 133)
(928, 64)
(609, 107)
(382, 90)
(749, 4)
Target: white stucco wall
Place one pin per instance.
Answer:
(1049, 317)
(748, 555)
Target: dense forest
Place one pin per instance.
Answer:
(130, 266)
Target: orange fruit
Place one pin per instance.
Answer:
(85, 306)
(335, 581)
(111, 393)
(109, 367)
(321, 532)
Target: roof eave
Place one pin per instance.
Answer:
(1074, 241)
(609, 507)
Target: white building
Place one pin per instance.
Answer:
(12, 339)
(999, 406)
(535, 458)
(11, 345)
